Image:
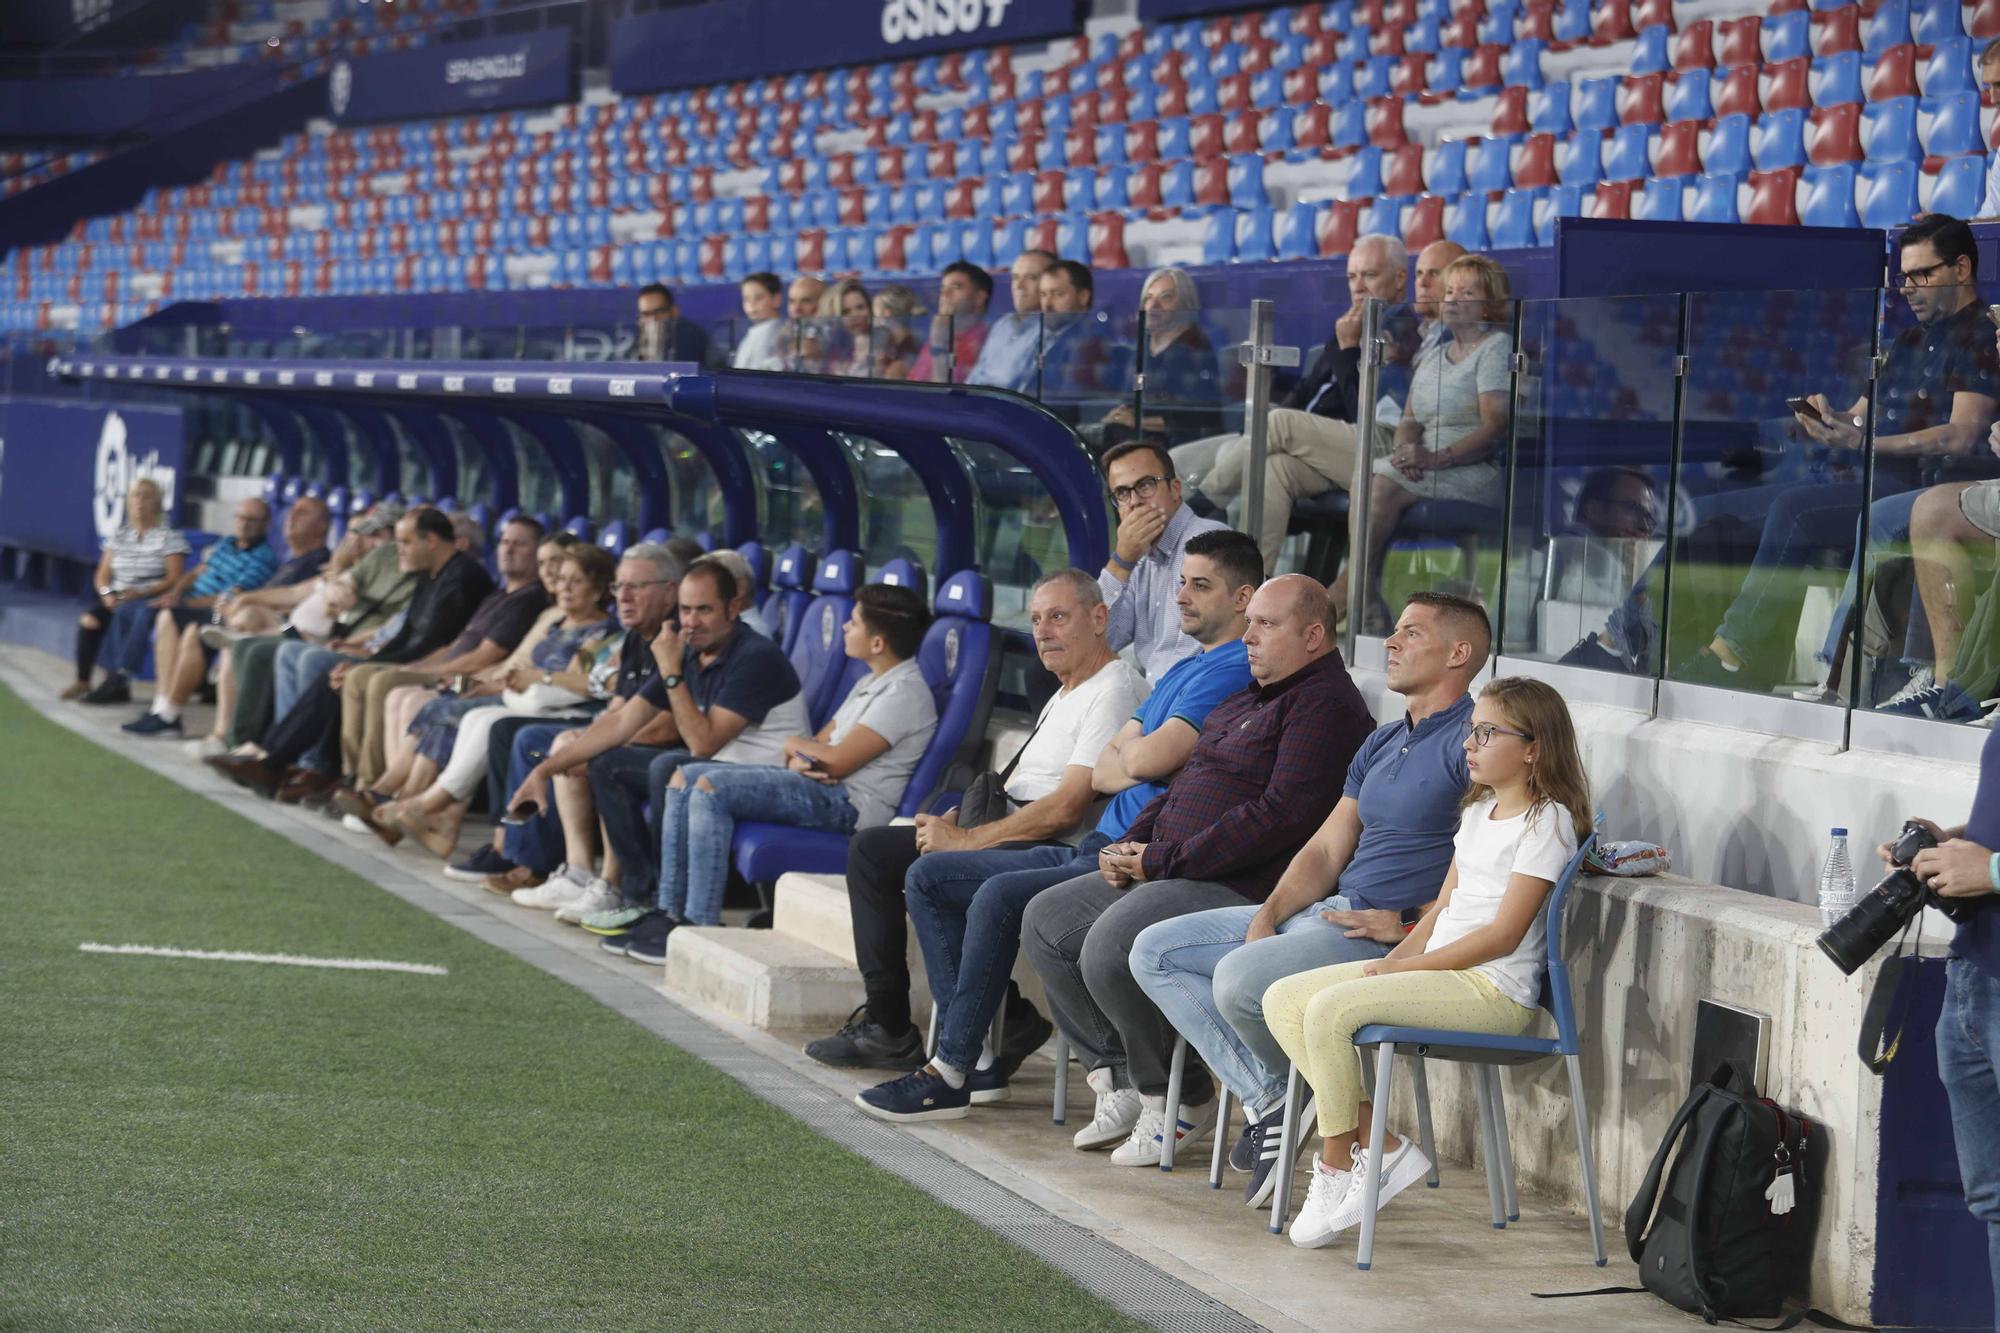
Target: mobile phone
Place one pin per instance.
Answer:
(461, 684)
(1804, 407)
(1993, 313)
(814, 762)
(522, 812)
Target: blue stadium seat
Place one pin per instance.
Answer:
(1246, 181)
(960, 659)
(1384, 217)
(816, 649)
(1513, 223)
(1578, 160)
(1254, 227)
(1829, 197)
(759, 560)
(1715, 198)
(1836, 79)
(1949, 70)
(1786, 36)
(1176, 185)
(1889, 131)
(1960, 189)
(1778, 140)
(1444, 168)
(1595, 106)
(791, 593)
(1548, 109)
(1933, 22)
(1889, 26)
(903, 572)
(1688, 96)
(1660, 201)
(1888, 193)
(615, 536)
(1949, 125)
(1465, 221)
(1489, 165)
(1564, 201)
(1296, 230)
(1650, 54)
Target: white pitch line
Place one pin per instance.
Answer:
(287, 959)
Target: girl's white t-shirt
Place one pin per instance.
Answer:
(1540, 843)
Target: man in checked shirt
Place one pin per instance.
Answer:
(1266, 770)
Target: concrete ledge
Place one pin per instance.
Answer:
(760, 977)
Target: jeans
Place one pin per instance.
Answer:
(1079, 937)
(131, 629)
(1888, 521)
(295, 667)
(966, 908)
(621, 781)
(697, 827)
(537, 843)
(1968, 1051)
(1211, 985)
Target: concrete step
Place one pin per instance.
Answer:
(813, 910)
(761, 978)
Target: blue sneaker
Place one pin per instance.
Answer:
(987, 1085)
(923, 1095)
(1940, 703)
(151, 724)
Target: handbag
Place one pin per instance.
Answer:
(985, 799)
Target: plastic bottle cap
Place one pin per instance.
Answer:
(1840, 833)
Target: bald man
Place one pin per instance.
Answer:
(1267, 769)
(1311, 441)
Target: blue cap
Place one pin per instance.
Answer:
(1840, 833)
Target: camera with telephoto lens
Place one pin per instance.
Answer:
(1884, 910)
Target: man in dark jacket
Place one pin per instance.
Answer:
(450, 586)
(1310, 439)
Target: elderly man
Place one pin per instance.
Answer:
(958, 329)
(1049, 790)
(1264, 774)
(1311, 444)
(1349, 894)
(237, 565)
(1141, 581)
(1007, 361)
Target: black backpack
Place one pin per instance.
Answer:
(1722, 1244)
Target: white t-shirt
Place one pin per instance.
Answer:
(1538, 842)
(1075, 727)
(761, 348)
(897, 706)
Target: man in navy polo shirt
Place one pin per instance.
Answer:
(1347, 895)
(1965, 865)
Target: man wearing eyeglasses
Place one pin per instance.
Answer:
(1989, 80)
(1935, 395)
(1141, 581)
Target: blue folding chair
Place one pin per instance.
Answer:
(1486, 1053)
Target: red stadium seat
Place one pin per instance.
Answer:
(1782, 86)
(1894, 74)
(1107, 242)
(1384, 121)
(853, 207)
(1836, 30)
(1424, 222)
(1833, 135)
(1738, 94)
(1205, 136)
(1611, 22)
(962, 200)
(1043, 235)
(1510, 113)
(840, 171)
(1080, 145)
(1613, 199)
(1312, 126)
(1233, 93)
(1211, 181)
(1021, 154)
(1049, 196)
(1653, 14)
(941, 161)
(1678, 150)
(1693, 46)
(1142, 141)
(1244, 133)
(1403, 171)
(1409, 76)
(811, 252)
(1462, 32)
(1535, 162)
(1642, 99)
(1739, 42)
(711, 257)
(1774, 197)
(1482, 69)
(1338, 227)
(1983, 23)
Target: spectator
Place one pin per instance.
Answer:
(894, 344)
(1616, 514)
(966, 906)
(143, 559)
(1936, 394)
(1951, 527)
(851, 775)
(240, 562)
(1989, 78)
(1071, 356)
(663, 334)
(1176, 364)
(1262, 777)
(1448, 441)
(528, 847)
(1432, 261)
(762, 346)
(1048, 786)
(745, 601)
(834, 339)
(548, 672)
(1371, 867)
(1473, 963)
(450, 586)
(1007, 361)
(1310, 440)
(1141, 580)
(717, 692)
(307, 523)
(958, 330)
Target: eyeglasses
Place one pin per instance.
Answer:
(1921, 277)
(618, 588)
(1482, 733)
(1141, 489)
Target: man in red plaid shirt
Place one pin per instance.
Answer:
(1268, 767)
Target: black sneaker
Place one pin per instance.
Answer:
(475, 868)
(619, 941)
(151, 724)
(114, 689)
(1244, 1151)
(647, 940)
(861, 1044)
(1024, 1034)
(921, 1095)
(1266, 1137)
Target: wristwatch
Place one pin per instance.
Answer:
(1409, 916)
(668, 682)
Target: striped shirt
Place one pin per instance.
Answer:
(232, 565)
(139, 558)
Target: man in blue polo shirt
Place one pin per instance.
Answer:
(1349, 894)
(966, 906)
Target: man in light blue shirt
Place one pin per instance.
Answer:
(1380, 857)
(1008, 359)
(1142, 579)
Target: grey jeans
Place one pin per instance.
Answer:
(1079, 937)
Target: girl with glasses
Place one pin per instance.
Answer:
(1473, 963)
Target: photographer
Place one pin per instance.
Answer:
(1964, 865)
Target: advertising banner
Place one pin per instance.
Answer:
(719, 40)
(455, 78)
(65, 468)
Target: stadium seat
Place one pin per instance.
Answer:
(1612, 199)
(1739, 42)
(1422, 222)
(1659, 201)
(1549, 109)
(1786, 37)
(1465, 222)
(1888, 193)
(1677, 150)
(1983, 25)
(1726, 147)
(1488, 166)
(1295, 231)
(1829, 197)
(1835, 30)
(815, 650)
(1835, 134)
(1835, 79)
(1958, 189)
(1740, 94)
(1893, 74)
(1950, 126)
(1512, 226)
(1888, 134)
(1774, 197)
(1579, 161)
(1628, 154)
(1949, 69)
(1777, 140)
(1688, 96)
(1784, 87)
(1444, 168)
(1888, 26)
(1594, 108)
(1533, 162)
(1935, 22)
(791, 593)
(1715, 198)
(1641, 99)
(1338, 227)
(1402, 171)
(1693, 46)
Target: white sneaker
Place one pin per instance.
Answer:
(1922, 679)
(205, 747)
(1144, 1147)
(355, 824)
(1117, 1112)
(557, 891)
(1326, 1198)
(1400, 1170)
(597, 896)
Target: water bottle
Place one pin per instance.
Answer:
(1836, 880)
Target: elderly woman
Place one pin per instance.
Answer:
(141, 563)
(1447, 446)
(549, 674)
(895, 343)
(1182, 397)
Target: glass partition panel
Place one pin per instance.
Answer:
(1018, 533)
(1088, 370)
(537, 488)
(697, 498)
(997, 352)
(1592, 449)
(1187, 383)
(897, 520)
(614, 488)
(789, 506)
(1771, 486)
(475, 474)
